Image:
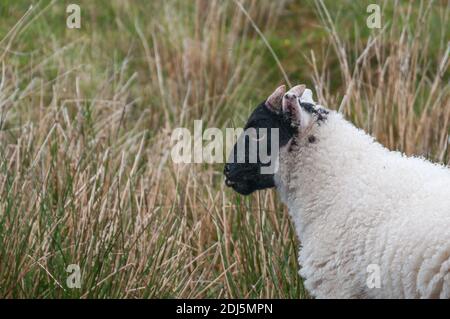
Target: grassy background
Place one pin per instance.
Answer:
(86, 116)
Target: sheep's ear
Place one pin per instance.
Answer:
(292, 109)
(298, 90)
(273, 102)
(291, 104)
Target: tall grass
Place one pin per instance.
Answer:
(396, 82)
(86, 115)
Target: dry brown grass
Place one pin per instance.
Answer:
(85, 171)
(391, 89)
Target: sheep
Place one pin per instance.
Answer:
(359, 210)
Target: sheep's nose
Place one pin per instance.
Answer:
(226, 170)
(229, 183)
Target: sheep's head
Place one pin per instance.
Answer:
(280, 117)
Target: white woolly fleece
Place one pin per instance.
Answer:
(354, 204)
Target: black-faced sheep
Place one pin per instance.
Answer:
(359, 209)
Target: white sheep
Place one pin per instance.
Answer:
(361, 210)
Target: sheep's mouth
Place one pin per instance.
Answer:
(246, 182)
(242, 188)
(240, 178)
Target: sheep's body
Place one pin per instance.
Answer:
(354, 204)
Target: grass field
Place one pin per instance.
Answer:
(86, 115)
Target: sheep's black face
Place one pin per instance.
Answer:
(247, 177)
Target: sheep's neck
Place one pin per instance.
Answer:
(311, 174)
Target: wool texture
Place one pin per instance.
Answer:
(357, 205)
